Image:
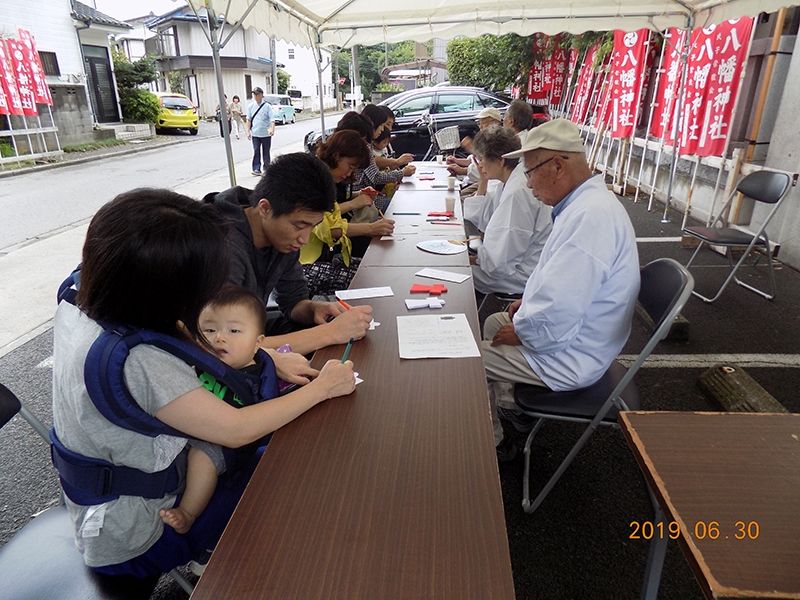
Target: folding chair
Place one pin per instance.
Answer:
(41, 560)
(768, 187)
(665, 288)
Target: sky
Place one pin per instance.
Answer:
(129, 9)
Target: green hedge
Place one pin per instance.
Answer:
(138, 105)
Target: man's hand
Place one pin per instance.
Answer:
(405, 158)
(513, 308)
(473, 259)
(292, 367)
(352, 323)
(324, 310)
(338, 379)
(409, 170)
(506, 336)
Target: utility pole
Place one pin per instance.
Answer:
(355, 86)
(274, 64)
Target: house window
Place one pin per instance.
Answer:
(49, 63)
(291, 53)
(168, 42)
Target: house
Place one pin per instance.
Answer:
(182, 47)
(72, 41)
(301, 65)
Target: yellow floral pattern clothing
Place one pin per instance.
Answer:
(321, 237)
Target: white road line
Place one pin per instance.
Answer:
(657, 239)
(694, 361)
(47, 363)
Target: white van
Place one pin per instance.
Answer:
(297, 99)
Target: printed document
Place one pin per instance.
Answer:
(436, 336)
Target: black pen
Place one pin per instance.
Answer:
(347, 350)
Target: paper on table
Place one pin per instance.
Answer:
(443, 275)
(436, 336)
(373, 324)
(413, 303)
(441, 247)
(374, 292)
(392, 238)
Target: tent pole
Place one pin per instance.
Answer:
(319, 79)
(223, 109)
(677, 135)
(653, 103)
(639, 102)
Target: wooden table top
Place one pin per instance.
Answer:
(740, 471)
(391, 492)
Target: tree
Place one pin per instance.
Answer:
(371, 60)
(283, 81)
(490, 61)
(138, 104)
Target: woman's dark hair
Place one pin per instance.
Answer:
(375, 114)
(236, 98)
(343, 144)
(494, 141)
(152, 258)
(384, 135)
(355, 122)
(296, 181)
(388, 112)
(236, 295)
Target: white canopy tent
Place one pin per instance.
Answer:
(344, 23)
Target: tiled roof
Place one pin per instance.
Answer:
(81, 12)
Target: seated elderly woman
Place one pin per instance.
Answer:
(515, 224)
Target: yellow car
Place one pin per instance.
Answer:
(177, 112)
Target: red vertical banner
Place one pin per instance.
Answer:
(24, 77)
(730, 44)
(558, 75)
(668, 86)
(536, 78)
(628, 63)
(583, 87)
(9, 81)
(41, 91)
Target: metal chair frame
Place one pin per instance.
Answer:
(662, 308)
(762, 186)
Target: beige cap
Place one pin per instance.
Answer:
(490, 113)
(560, 135)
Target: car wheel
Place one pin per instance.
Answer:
(284, 121)
(294, 118)
(194, 131)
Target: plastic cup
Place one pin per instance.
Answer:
(439, 158)
(450, 203)
(451, 183)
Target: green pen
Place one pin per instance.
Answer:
(347, 350)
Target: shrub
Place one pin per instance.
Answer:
(138, 105)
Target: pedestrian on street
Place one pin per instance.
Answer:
(226, 118)
(260, 127)
(235, 109)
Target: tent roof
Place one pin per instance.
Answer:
(347, 22)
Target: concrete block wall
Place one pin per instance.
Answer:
(72, 114)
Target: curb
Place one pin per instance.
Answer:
(86, 159)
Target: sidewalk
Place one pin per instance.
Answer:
(31, 272)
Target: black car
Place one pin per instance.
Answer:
(447, 106)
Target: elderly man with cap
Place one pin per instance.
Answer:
(575, 313)
(260, 126)
(466, 166)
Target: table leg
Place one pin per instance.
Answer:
(655, 555)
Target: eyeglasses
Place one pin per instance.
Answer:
(541, 164)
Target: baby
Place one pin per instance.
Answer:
(233, 324)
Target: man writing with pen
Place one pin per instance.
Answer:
(269, 225)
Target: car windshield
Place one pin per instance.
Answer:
(174, 102)
(413, 107)
(273, 99)
(455, 103)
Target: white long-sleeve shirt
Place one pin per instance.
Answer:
(577, 306)
(478, 210)
(513, 238)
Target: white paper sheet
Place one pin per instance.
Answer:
(430, 302)
(436, 336)
(392, 238)
(356, 294)
(443, 275)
